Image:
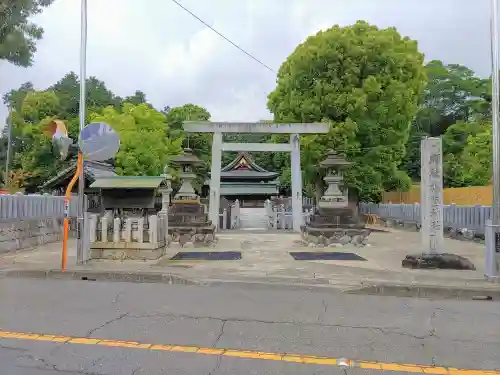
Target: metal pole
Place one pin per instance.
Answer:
(9, 145)
(83, 77)
(495, 105)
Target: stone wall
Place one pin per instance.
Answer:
(18, 235)
(463, 234)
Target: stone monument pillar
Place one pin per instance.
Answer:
(431, 212)
(431, 190)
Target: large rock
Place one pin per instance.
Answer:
(439, 261)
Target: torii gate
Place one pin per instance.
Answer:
(218, 128)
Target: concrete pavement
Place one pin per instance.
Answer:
(387, 334)
(266, 259)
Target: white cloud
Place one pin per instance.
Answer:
(156, 47)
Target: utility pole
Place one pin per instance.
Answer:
(9, 145)
(492, 230)
(495, 105)
(83, 77)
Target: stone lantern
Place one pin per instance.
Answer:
(188, 222)
(186, 162)
(333, 197)
(165, 190)
(335, 224)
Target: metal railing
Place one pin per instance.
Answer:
(20, 207)
(454, 216)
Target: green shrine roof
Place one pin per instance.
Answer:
(127, 182)
(243, 167)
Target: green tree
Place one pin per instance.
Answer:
(138, 98)
(200, 143)
(460, 143)
(366, 83)
(18, 36)
(14, 98)
(477, 158)
(144, 148)
(98, 95)
(453, 94)
(32, 150)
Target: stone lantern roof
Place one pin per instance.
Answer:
(187, 158)
(333, 160)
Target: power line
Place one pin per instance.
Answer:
(224, 37)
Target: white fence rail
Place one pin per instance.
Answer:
(140, 230)
(34, 207)
(457, 217)
(280, 218)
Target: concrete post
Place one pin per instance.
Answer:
(237, 213)
(104, 229)
(140, 230)
(432, 195)
(492, 251)
(224, 219)
(86, 236)
(282, 216)
(128, 230)
(296, 182)
(153, 229)
(275, 218)
(215, 178)
(93, 228)
(116, 230)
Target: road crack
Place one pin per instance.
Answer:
(220, 333)
(89, 333)
(217, 366)
(394, 331)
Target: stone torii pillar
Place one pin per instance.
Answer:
(296, 177)
(214, 203)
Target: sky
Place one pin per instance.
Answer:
(158, 48)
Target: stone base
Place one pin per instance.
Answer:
(437, 261)
(191, 236)
(334, 237)
(126, 251)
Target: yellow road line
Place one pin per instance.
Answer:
(285, 357)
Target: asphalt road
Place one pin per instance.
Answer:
(178, 327)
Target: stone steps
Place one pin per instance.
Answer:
(253, 218)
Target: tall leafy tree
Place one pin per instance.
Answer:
(365, 82)
(138, 98)
(459, 142)
(144, 148)
(18, 35)
(97, 95)
(32, 151)
(14, 98)
(453, 94)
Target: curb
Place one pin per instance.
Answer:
(118, 276)
(486, 293)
